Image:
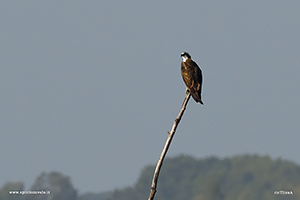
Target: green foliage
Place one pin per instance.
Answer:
(60, 188)
(59, 185)
(244, 177)
(94, 196)
(8, 189)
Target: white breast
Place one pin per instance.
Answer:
(184, 59)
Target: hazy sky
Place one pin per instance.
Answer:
(91, 88)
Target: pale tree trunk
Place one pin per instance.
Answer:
(168, 142)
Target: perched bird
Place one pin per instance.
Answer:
(192, 76)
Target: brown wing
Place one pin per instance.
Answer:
(192, 76)
(197, 77)
(186, 72)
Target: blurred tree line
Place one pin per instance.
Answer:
(245, 177)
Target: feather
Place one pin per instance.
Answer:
(192, 77)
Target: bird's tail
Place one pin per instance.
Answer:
(197, 97)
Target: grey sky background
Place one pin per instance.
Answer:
(91, 88)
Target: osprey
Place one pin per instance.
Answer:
(192, 76)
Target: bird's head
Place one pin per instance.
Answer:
(185, 56)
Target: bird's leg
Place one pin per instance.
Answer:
(187, 91)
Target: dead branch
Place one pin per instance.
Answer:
(168, 142)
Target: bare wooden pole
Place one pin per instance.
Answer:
(168, 142)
